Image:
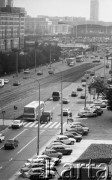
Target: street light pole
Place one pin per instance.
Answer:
(61, 106)
(38, 130)
(85, 96)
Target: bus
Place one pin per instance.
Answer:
(70, 60)
(31, 110)
(80, 58)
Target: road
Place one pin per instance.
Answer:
(12, 160)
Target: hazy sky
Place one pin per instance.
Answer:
(77, 8)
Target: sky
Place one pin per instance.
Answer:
(76, 8)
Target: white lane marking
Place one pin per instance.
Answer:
(57, 125)
(33, 124)
(29, 142)
(42, 125)
(20, 133)
(48, 124)
(28, 124)
(36, 126)
(24, 123)
(53, 124)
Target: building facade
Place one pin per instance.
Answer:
(94, 10)
(11, 27)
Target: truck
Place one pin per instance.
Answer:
(46, 116)
(1, 82)
(56, 96)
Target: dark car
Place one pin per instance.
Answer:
(79, 88)
(16, 83)
(62, 149)
(77, 137)
(39, 73)
(11, 144)
(73, 94)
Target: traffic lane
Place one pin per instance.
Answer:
(28, 149)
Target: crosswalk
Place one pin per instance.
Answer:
(50, 125)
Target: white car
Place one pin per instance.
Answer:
(17, 123)
(65, 100)
(65, 140)
(87, 113)
(100, 103)
(66, 112)
(6, 81)
(27, 71)
(2, 137)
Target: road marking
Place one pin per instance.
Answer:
(20, 133)
(10, 159)
(42, 125)
(33, 124)
(29, 143)
(28, 124)
(53, 124)
(57, 125)
(48, 124)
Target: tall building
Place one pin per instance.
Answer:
(94, 10)
(12, 21)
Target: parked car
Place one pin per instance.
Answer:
(45, 157)
(78, 127)
(80, 124)
(79, 88)
(51, 71)
(16, 83)
(83, 80)
(2, 137)
(77, 137)
(39, 73)
(62, 149)
(107, 65)
(52, 153)
(65, 100)
(66, 112)
(75, 132)
(86, 113)
(17, 123)
(74, 94)
(83, 96)
(96, 109)
(11, 144)
(64, 139)
(100, 103)
(83, 84)
(92, 73)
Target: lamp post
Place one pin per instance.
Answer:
(61, 105)
(38, 130)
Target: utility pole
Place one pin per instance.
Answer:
(38, 130)
(61, 106)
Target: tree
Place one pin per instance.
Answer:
(109, 98)
(99, 84)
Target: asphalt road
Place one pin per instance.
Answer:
(11, 161)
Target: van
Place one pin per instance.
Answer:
(56, 96)
(1, 82)
(46, 117)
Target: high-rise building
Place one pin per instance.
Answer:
(94, 10)
(4, 3)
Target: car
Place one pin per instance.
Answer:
(79, 88)
(39, 73)
(92, 73)
(80, 124)
(100, 103)
(86, 76)
(17, 123)
(83, 80)
(2, 137)
(65, 140)
(66, 112)
(62, 149)
(11, 144)
(65, 100)
(6, 81)
(78, 127)
(52, 153)
(71, 64)
(74, 94)
(83, 96)
(86, 113)
(84, 84)
(51, 71)
(107, 65)
(27, 71)
(77, 137)
(45, 157)
(16, 83)
(97, 109)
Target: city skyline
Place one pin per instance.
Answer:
(76, 8)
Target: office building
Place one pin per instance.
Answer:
(94, 10)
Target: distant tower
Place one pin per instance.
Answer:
(94, 10)
(9, 3)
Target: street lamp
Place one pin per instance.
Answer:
(38, 130)
(61, 105)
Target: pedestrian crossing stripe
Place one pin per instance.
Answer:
(49, 125)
